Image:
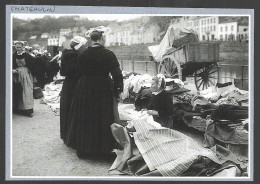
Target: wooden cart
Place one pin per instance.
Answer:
(198, 60)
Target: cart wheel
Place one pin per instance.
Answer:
(169, 68)
(206, 76)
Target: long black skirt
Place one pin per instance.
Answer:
(67, 92)
(91, 115)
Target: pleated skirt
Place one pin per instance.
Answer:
(91, 115)
(67, 92)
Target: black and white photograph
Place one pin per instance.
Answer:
(130, 95)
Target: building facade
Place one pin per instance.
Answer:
(53, 40)
(132, 32)
(228, 31)
(210, 28)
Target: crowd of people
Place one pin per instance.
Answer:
(31, 69)
(90, 91)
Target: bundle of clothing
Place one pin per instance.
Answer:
(133, 84)
(221, 113)
(148, 149)
(193, 109)
(52, 95)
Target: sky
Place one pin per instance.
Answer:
(117, 17)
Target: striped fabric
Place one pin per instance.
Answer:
(168, 151)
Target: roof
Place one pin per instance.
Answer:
(239, 20)
(44, 35)
(65, 30)
(33, 37)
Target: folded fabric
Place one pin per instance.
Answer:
(119, 166)
(209, 90)
(227, 87)
(184, 97)
(128, 112)
(229, 112)
(230, 171)
(236, 94)
(154, 146)
(221, 85)
(195, 122)
(227, 101)
(226, 135)
(198, 100)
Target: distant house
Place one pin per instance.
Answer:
(132, 32)
(53, 40)
(44, 35)
(242, 33)
(227, 31)
(214, 27)
(32, 37)
(65, 31)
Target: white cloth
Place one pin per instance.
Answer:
(165, 47)
(168, 151)
(128, 112)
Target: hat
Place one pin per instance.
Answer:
(27, 47)
(19, 42)
(79, 40)
(103, 29)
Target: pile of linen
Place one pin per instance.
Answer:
(221, 113)
(152, 150)
(52, 95)
(133, 83)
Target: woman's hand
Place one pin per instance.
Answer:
(153, 112)
(15, 71)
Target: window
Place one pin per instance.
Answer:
(214, 20)
(212, 37)
(201, 22)
(210, 28)
(232, 28)
(226, 28)
(211, 21)
(221, 37)
(214, 28)
(221, 29)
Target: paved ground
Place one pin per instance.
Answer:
(39, 151)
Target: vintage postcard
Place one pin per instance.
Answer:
(108, 93)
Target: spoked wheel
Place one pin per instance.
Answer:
(169, 68)
(206, 76)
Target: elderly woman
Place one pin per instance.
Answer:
(161, 105)
(22, 81)
(68, 68)
(92, 107)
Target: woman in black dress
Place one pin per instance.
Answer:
(161, 105)
(92, 106)
(68, 68)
